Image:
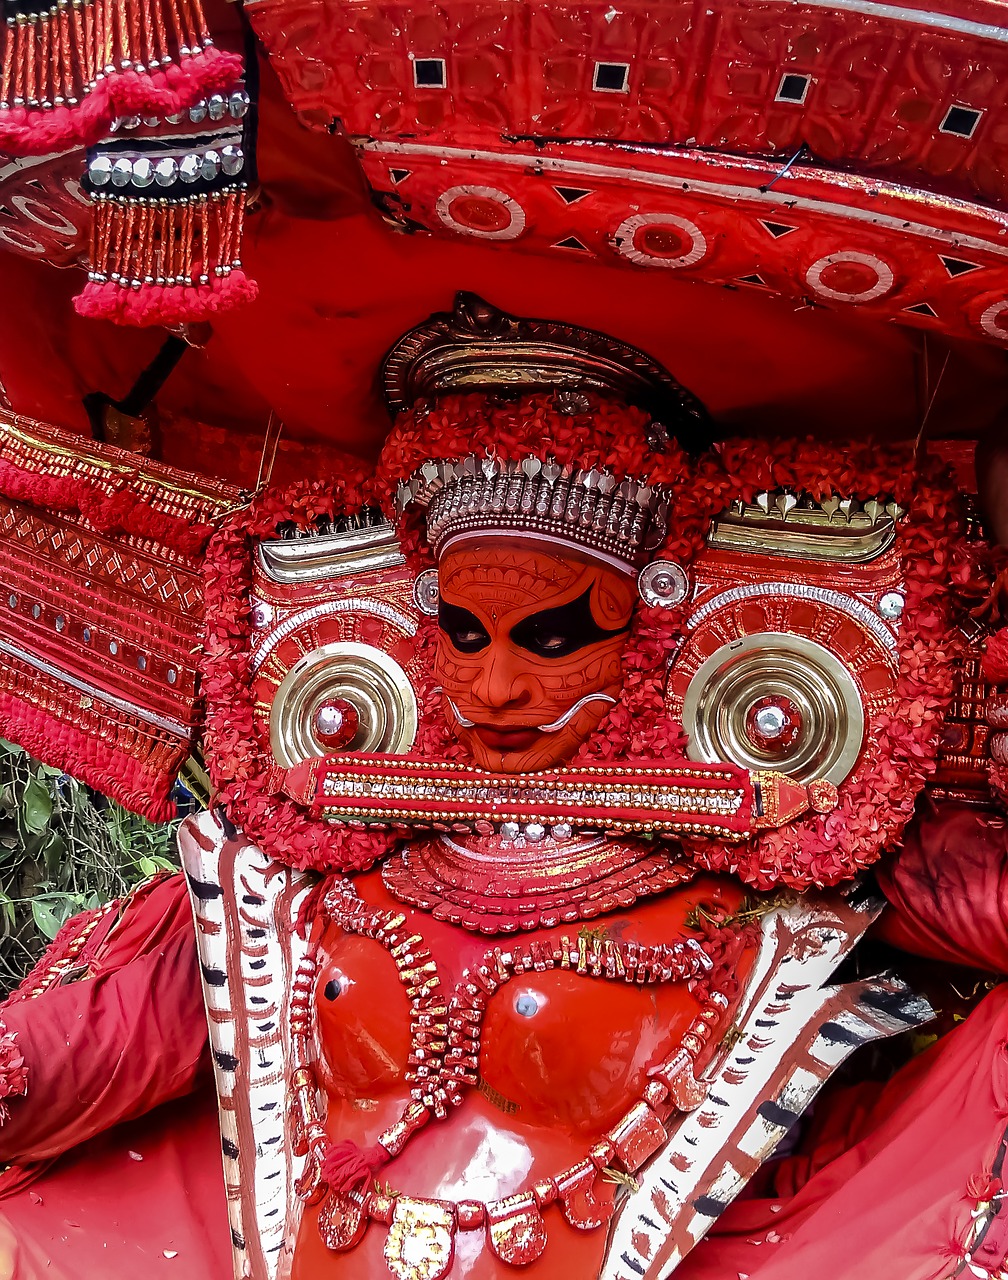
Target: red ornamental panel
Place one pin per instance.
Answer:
(44, 213)
(828, 239)
(101, 601)
(872, 86)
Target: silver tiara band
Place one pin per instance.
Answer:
(617, 520)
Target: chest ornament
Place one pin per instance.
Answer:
(445, 1031)
(499, 885)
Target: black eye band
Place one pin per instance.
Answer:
(556, 633)
(465, 631)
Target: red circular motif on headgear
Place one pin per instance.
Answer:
(850, 278)
(479, 214)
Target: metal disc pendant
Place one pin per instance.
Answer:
(776, 701)
(357, 678)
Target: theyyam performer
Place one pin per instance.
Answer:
(549, 757)
(589, 684)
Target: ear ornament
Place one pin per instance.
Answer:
(663, 584)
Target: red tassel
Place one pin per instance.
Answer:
(69, 72)
(165, 305)
(166, 264)
(347, 1167)
(110, 511)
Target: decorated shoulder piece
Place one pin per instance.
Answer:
(100, 562)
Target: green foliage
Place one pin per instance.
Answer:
(63, 848)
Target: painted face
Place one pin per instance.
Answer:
(530, 651)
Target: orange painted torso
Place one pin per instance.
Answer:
(563, 1057)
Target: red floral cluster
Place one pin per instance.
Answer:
(13, 1072)
(111, 511)
(595, 433)
(901, 746)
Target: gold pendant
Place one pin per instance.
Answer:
(516, 1230)
(421, 1239)
(341, 1222)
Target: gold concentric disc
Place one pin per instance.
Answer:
(814, 683)
(366, 677)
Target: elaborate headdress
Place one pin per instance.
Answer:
(478, 349)
(475, 347)
(513, 426)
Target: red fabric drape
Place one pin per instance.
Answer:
(145, 1199)
(948, 889)
(888, 1176)
(898, 1203)
(111, 1046)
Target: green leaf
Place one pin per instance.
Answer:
(36, 807)
(6, 913)
(53, 850)
(46, 920)
(147, 866)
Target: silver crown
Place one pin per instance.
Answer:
(619, 521)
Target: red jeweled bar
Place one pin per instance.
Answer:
(656, 799)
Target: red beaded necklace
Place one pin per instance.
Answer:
(500, 885)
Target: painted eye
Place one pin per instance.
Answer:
(463, 629)
(550, 642)
(565, 629)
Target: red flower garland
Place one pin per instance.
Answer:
(875, 801)
(13, 1072)
(110, 511)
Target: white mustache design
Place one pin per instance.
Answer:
(555, 727)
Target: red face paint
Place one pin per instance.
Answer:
(527, 633)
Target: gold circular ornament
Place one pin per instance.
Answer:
(730, 710)
(375, 686)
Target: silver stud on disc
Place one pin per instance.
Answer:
(891, 605)
(663, 584)
(426, 593)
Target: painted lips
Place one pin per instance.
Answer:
(506, 740)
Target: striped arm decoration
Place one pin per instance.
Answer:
(245, 907)
(792, 1034)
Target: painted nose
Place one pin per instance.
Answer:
(502, 682)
